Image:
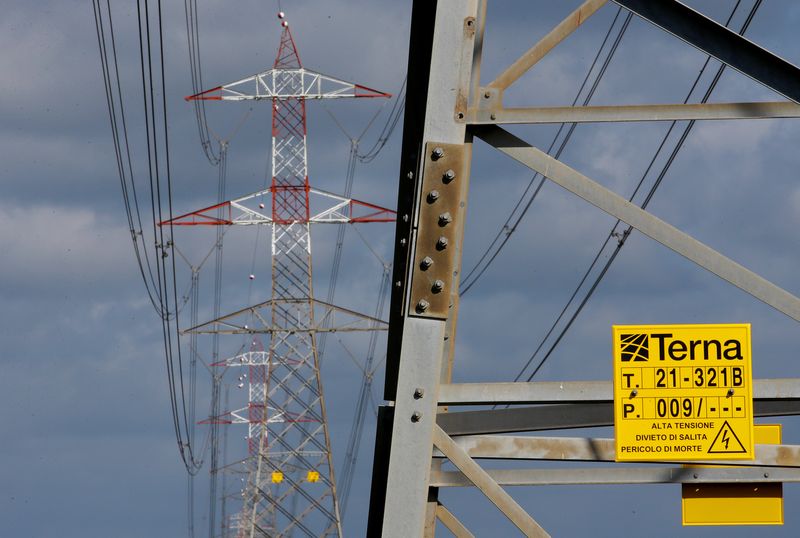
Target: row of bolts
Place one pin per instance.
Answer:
(444, 219)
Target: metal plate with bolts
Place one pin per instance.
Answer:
(439, 212)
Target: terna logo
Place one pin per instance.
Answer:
(634, 347)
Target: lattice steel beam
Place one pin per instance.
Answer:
(445, 101)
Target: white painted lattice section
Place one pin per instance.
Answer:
(286, 83)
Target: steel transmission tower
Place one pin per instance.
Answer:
(432, 419)
(290, 483)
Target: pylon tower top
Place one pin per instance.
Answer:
(287, 79)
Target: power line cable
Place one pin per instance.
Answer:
(365, 391)
(196, 71)
(392, 120)
(622, 237)
(163, 243)
(122, 151)
(508, 229)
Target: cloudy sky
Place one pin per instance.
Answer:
(87, 444)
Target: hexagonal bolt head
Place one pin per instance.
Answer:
(426, 262)
(445, 218)
(438, 286)
(438, 153)
(449, 176)
(419, 393)
(423, 305)
(433, 196)
(416, 416)
(441, 244)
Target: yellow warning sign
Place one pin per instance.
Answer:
(683, 392)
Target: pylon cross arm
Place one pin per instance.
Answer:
(283, 83)
(253, 209)
(326, 318)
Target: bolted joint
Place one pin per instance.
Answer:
(438, 286)
(437, 153)
(433, 196)
(419, 392)
(449, 175)
(441, 244)
(426, 262)
(416, 416)
(445, 218)
(422, 305)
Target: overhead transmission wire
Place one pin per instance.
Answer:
(216, 379)
(339, 245)
(158, 286)
(119, 130)
(195, 462)
(196, 70)
(507, 230)
(368, 370)
(210, 442)
(352, 159)
(165, 272)
(219, 159)
(391, 123)
(363, 399)
(623, 236)
(193, 355)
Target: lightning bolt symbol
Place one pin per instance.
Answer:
(725, 439)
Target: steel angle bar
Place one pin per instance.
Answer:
(484, 482)
(546, 44)
(620, 476)
(442, 35)
(565, 416)
(535, 392)
(406, 484)
(720, 42)
(451, 522)
(658, 112)
(329, 318)
(651, 226)
(527, 419)
(513, 447)
(578, 391)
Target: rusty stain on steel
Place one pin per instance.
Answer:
(530, 57)
(438, 264)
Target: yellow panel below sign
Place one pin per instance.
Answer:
(736, 504)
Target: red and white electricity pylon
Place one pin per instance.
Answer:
(290, 486)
